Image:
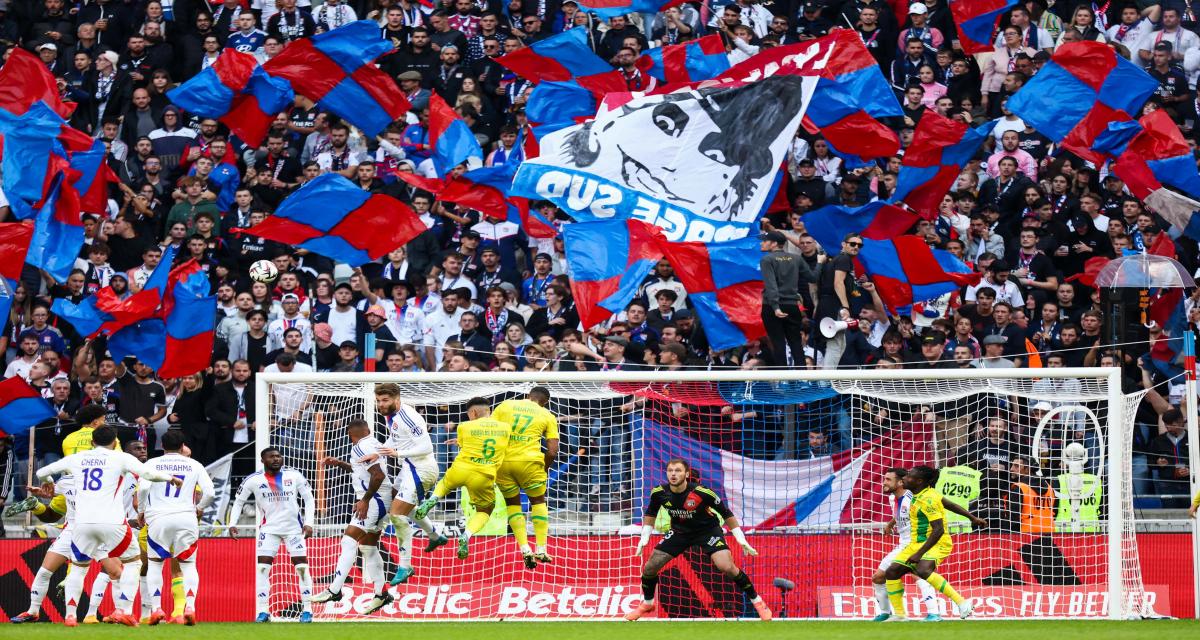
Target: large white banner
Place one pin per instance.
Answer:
(699, 163)
(219, 472)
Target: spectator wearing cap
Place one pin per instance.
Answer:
(448, 76)
(410, 84)
(993, 354)
(347, 322)
(468, 248)
(610, 358)
(781, 309)
(377, 325)
(931, 38)
(535, 286)
(348, 358)
(108, 89)
(933, 353)
(672, 357)
(808, 183)
(48, 53)
(492, 272)
(811, 23)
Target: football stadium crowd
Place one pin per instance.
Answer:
(472, 293)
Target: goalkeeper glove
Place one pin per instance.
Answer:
(741, 539)
(644, 540)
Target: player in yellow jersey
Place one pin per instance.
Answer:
(482, 442)
(930, 543)
(524, 468)
(89, 418)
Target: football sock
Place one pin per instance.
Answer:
(648, 587)
(895, 594)
(540, 515)
(187, 586)
(404, 536)
(262, 587)
(881, 598)
(131, 575)
(743, 582)
(152, 585)
(516, 521)
(74, 589)
(476, 522)
(96, 596)
(37, 591)
(373, 567)
(426, 525)
(939, 583)
(345, 563)
(305, 581)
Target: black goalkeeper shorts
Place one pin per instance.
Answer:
(675, 542)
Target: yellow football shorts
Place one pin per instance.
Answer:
(522, 475)
(939, 551)
(480, 486)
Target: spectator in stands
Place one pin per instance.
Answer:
(1169, 455)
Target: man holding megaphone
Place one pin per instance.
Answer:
(782, 312)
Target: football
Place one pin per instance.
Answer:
(263, 271)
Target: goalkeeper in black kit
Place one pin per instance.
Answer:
(694, 511)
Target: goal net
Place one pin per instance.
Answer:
(800, 458)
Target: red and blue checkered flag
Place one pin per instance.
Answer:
(939, 150)
(1085, 87)
(335, 70)
(558, 58)
(607, 260)
(236, 91)
(905, 270)
(976, 21)
(690, 61)
(14, 243)
(21, 407)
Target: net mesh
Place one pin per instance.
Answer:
(799, 463)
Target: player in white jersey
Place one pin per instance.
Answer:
(893, 485)
(172, 529)
(59, 553)
(101, 531)
(278, 492)
(371, 485)
(415, 473)
(101, 583)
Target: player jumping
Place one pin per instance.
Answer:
(482, 442)
(277, 492)
(693, 509)
(929, 543)
(416, 471)
(102, 532)
(524, 468)
(170, 514)
(370, 516)
(893, 484)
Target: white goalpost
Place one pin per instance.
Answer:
(799, 456)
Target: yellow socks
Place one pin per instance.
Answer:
(540, 515)
(895, 593)
(477, 521)
(516, 520)
(938, 582)
(178, 598)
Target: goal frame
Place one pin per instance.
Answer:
(1112, 446)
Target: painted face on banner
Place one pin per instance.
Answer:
(708, 151)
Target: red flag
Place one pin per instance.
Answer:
(24, 80)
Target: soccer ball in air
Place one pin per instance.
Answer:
(263, 271)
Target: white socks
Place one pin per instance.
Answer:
(191, 582)
(262, 587)
(130, 577)
(927, 590)
(37, 592)
(152, 585)
(373, 568)
(404, 535)
(426, 525)
(881, 598)
(305, 581)
(74, 588)
(99, 586)
(345, 563)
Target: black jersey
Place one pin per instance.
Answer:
(693, 510)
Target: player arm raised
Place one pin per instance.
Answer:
(55, 468)
(954, 508)
(132, 465)
(331, 461)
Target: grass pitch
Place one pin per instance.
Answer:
(650, 630)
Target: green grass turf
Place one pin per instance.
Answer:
(519, 630)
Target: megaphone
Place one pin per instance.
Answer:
(831, 327)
